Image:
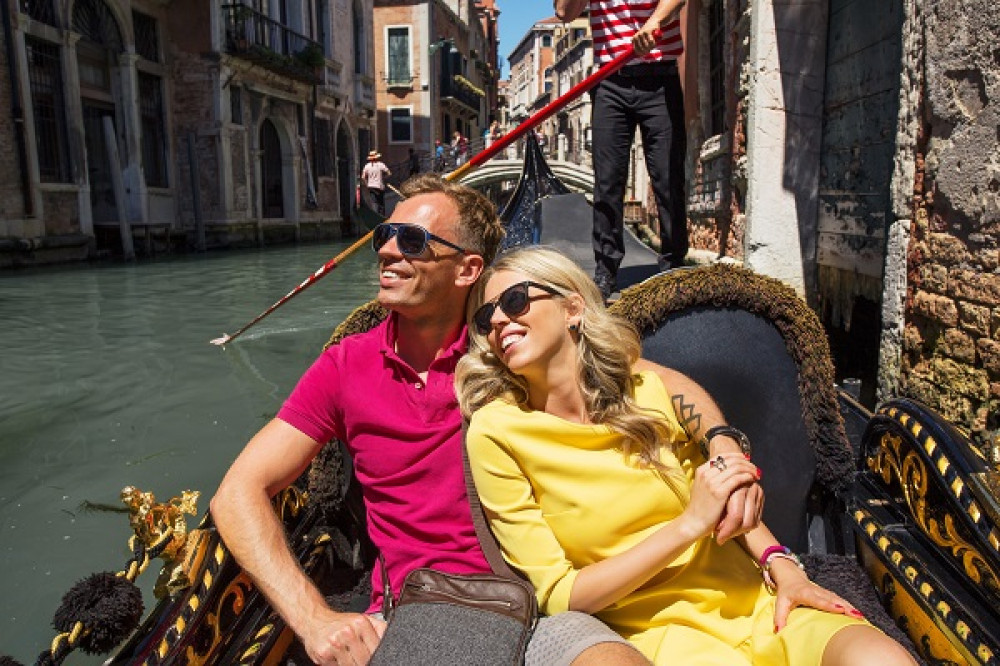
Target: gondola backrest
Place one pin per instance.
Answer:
(762, 354)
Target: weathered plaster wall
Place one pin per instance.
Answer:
(951, 341)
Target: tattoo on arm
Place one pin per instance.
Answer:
(686, 414)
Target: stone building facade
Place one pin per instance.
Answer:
(434, 74)
(531, 69)
(187, 123)
(573, 61)
(853, 151)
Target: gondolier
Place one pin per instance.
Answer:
(645, 94)
(374, 175)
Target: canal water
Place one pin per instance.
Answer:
(107, 379)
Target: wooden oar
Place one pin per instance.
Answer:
(477, 160)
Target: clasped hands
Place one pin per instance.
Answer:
(726, 498)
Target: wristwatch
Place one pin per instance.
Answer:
(729, 431)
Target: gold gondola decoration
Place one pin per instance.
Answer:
(101, 610)
(896, 461)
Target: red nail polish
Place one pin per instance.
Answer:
(856, 613)
(838, 607)
(747, 456)
(775, 628)
(759, 473)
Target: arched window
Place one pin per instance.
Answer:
(95, 22)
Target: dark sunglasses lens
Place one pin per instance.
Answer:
(514, 301)
(412, 240)
(380, 236)
(482, 318)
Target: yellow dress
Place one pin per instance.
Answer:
(561, 496)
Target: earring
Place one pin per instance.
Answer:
(573, 328)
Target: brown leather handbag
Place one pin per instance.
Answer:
(442, 618)
(459, 619)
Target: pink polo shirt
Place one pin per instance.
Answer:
(405, 439)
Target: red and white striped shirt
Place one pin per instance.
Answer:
(614, 23)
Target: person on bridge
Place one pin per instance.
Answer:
(645, 94)
(374, 175)
(605, 501)
(404, 435)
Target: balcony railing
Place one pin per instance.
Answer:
(260, 39)
(459, 89)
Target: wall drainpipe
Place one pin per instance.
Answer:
(17, 112)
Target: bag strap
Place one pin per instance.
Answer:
(488, 542)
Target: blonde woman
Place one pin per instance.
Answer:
(595, 493)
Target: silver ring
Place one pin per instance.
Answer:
(718, 463)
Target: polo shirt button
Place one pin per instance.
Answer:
(418, 385)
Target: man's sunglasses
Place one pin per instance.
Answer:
(411, 239)
(513, 301)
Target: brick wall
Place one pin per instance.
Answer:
(951, 341)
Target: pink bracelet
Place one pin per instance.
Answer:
(769, 552)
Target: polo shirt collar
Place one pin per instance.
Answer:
(454, 351)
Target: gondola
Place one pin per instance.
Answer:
(897, 510)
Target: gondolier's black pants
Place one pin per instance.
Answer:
(649, 96)
(378, 198)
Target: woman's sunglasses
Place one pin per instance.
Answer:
(513, 301)
(411, 239)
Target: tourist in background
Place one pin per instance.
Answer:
(374, 175)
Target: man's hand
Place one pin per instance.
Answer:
(342, 639)
(643, 41)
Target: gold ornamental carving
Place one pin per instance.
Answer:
(162, 526)
(895, 461)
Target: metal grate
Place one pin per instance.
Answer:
(717, 66)
(147, 41)
(47, 103)
(154, 162)
(93, 20)
(40, 10)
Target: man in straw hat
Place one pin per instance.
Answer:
(374, 174)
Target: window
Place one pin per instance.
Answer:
(154, 135)
(546, 41)
(398, 55)
(358, 27)
(236, 105)
(40, 10)
(400, 124)
(45, 80)
(147, 44)
(717, 68)
(322, 148)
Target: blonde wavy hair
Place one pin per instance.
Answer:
(608, 346)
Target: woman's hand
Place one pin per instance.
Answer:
(794, 589)
(714, 483)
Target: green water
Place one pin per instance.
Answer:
(107, 379)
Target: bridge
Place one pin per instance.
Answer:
(578, 177)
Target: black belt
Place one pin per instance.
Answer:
(645, 69)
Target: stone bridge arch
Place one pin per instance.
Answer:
(574, 176)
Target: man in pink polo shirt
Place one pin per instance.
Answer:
(389, 395)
